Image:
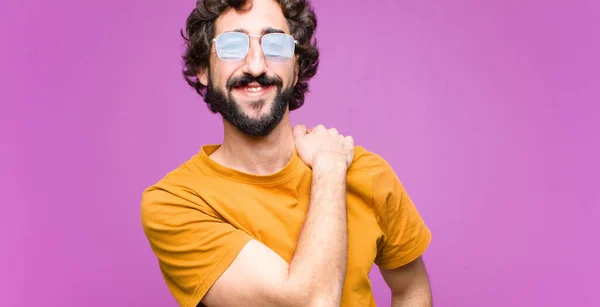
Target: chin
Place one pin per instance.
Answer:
(258, 113)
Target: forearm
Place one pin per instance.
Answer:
(319, 263)
(416, 296)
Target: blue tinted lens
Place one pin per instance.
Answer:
(232, 45)
(278, 46)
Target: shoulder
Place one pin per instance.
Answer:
(178, 191)
(375, 178)
(366, 158)
(369, 165)
(174, 181)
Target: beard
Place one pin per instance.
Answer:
(231, 111)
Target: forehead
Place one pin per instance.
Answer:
(263, 14)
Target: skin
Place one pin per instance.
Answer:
(263, 155)
(315, 276)
(409, 284)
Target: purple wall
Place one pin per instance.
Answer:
(488, 112)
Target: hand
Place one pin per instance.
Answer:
(321, 144)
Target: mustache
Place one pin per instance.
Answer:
(246, 79)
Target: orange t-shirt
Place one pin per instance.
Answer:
(200, 215)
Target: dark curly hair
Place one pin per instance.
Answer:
(200, 32)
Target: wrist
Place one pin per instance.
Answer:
(329, 163)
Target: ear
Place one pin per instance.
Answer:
(203, 76)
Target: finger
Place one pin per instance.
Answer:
(333, 131)
(349, 139)
(299, 131)
(318, 128)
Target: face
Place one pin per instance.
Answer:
(251, 93)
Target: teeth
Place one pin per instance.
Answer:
(254, 89)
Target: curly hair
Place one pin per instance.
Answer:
(200, 32)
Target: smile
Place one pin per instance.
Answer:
(253, 91)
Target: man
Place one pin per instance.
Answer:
(277, 215)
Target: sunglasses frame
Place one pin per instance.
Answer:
(214, 40)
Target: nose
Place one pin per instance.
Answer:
(254, 63)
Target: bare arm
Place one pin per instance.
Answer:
(319, 264)
(315, 275)
(409, 285)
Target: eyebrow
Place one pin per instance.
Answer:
(266, 30)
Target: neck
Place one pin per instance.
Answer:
(256, 155)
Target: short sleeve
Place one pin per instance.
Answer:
(406, 236)
(193, 245)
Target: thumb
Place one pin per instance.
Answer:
(299, 131)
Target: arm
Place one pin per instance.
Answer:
(406, 238)
(409, 285)
(314, 277)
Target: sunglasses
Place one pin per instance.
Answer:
(277, 47)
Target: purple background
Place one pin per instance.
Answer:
(487, 110)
